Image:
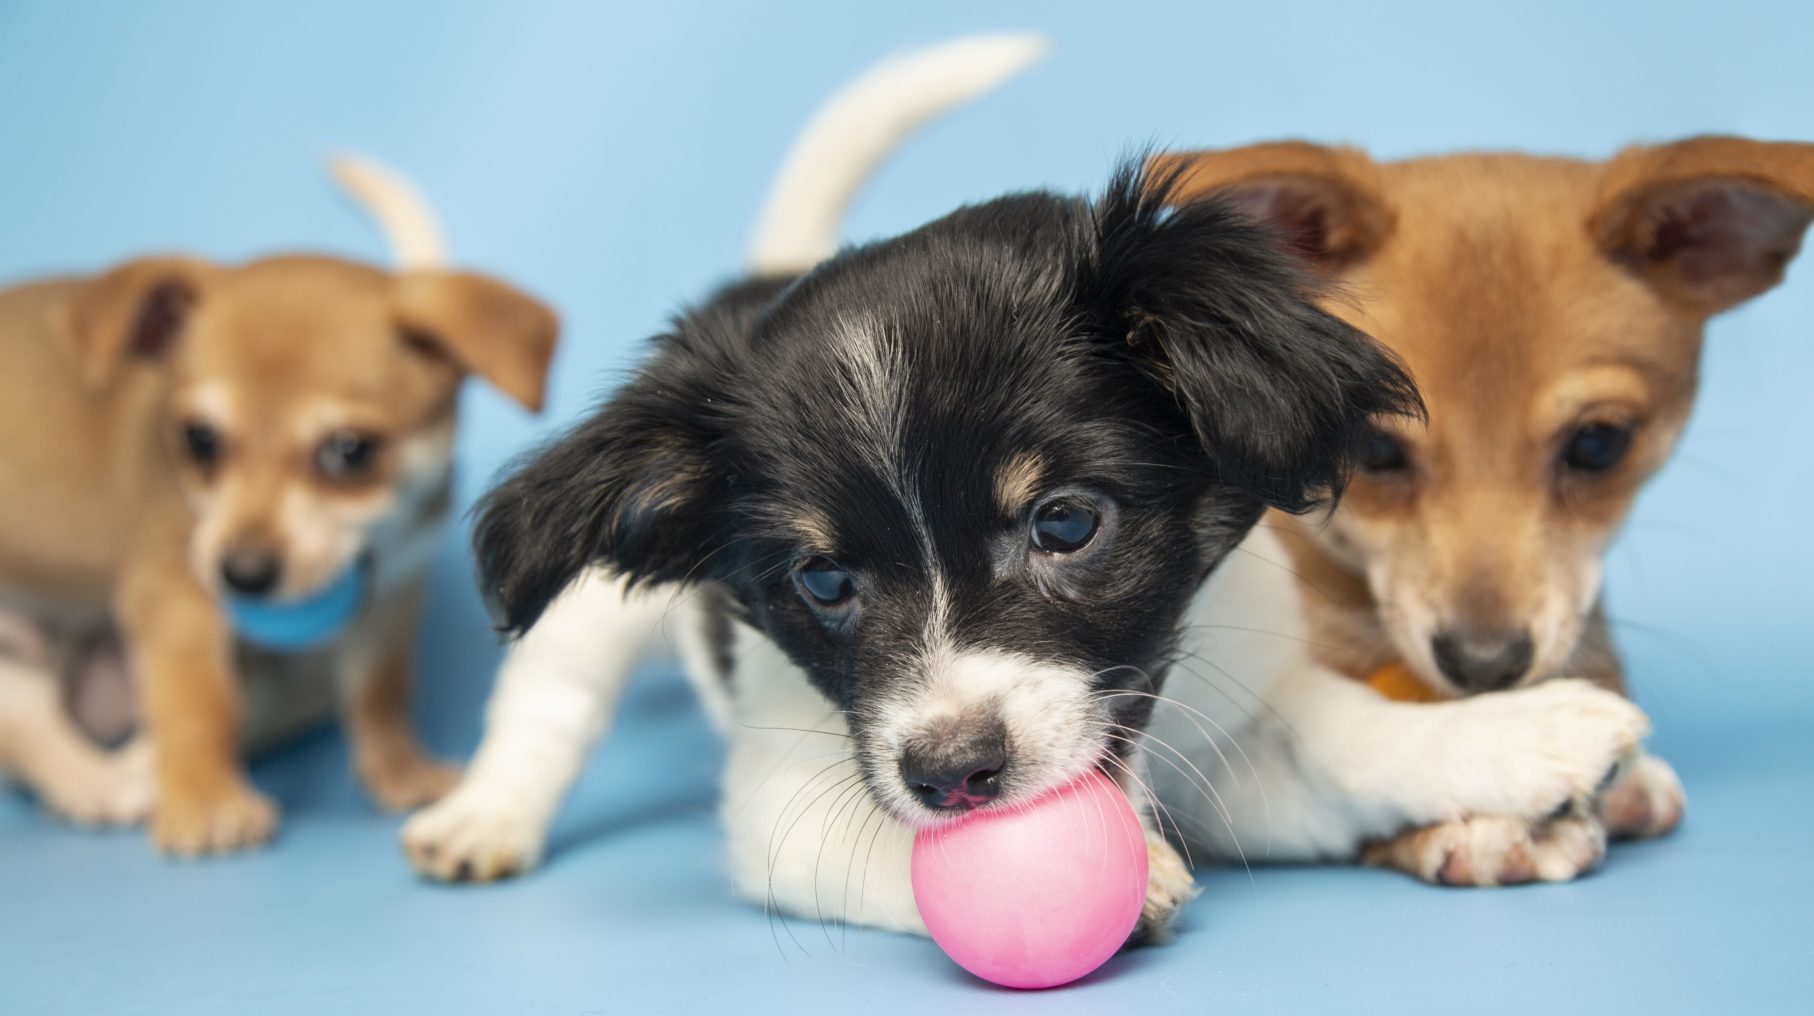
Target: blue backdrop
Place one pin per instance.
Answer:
(611, 157)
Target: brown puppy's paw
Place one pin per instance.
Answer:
(408, 782)
(231, 817)
(1647, 801)
(1544, 748)
(1169, 886)
(1493, 851)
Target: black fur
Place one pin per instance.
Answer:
(1167, 364)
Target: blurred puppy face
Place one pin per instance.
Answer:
(1552, 312)
(968, 479)
(311, 400)
(302, 419)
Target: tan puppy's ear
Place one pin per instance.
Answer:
(136, 310)
(483, 326)
(1709, 222)
(1327, 203)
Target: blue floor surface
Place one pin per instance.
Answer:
(632, 913)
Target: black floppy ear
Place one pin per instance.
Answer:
(1279, 392)
(633, 488)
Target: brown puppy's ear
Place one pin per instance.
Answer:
(136, 310)
(484, 326)
(1709, 222)
(1327, 203)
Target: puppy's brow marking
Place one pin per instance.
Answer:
(212, 402)
(814, 529)
(1017, 481)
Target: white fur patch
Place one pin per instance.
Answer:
(1054, 724)
(1304, 763)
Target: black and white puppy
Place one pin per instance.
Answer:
(936, 509)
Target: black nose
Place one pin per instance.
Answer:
(949, 776)
(251, 572)
(1483, 660)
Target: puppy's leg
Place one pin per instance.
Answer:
(1169, 882)
(1648, 801)
(557, 690)
(1326, 765)
(180, 648)
(375, 701)
(1488, 850)
(1645, 800)
(43, 748)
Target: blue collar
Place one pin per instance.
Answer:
(308, 623)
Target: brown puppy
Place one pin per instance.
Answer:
(172, 428)
(1551, 311)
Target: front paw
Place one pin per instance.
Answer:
(1493, 851)
(1647, 801)
(1169, 886)
(115, 790)
(475, 834)
(228, 816)
(408, 781)
(1533, 752)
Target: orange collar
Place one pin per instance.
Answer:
(1397, 682)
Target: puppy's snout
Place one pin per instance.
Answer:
(251, 571)
(1478, 659)
(956, 769)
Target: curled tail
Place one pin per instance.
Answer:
(854, 130)
(393, 202)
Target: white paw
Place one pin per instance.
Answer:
(95, 803)
(114, 790)
(476, 834)
(1169, 886)
(1532, 752)
(1647, 801)
(1493, 851)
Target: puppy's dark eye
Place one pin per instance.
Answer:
(346, 455)
(1383, 453)
(201, 442)
(1064, 525)
(824, 581)
(1596, 447)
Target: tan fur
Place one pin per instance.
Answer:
(390, 761)
(1018, 481)
(1527, 295)
(102, 513)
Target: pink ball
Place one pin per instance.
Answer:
(1035, 896)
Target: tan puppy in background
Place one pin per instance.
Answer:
(174, 427)
(1552, 311)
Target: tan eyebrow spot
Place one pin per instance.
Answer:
(210, 402)
(813, 528)
(1610, 384)
(1017, 481)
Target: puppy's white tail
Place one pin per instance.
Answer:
(858, 126)
(394, 203)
